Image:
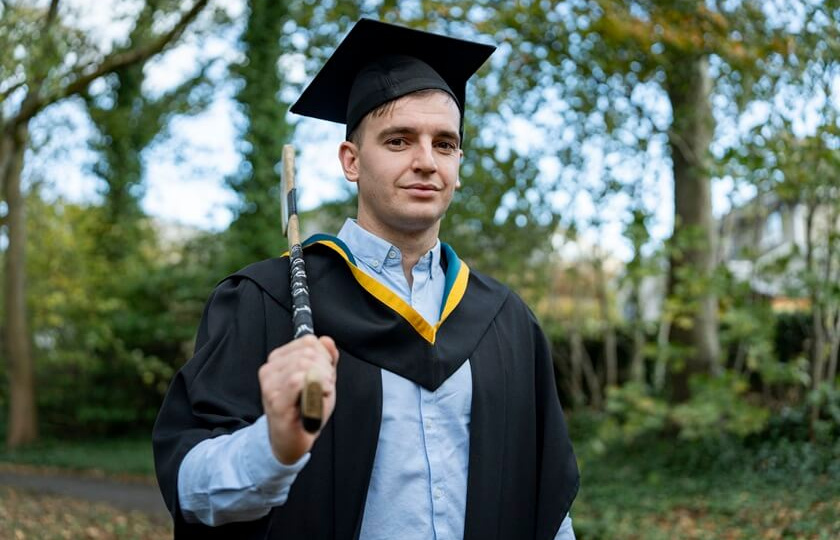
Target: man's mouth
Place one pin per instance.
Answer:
(422, 187)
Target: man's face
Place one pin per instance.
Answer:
(406, 165)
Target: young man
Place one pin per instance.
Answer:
(441, 418)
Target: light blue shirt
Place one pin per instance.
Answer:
(418, 484)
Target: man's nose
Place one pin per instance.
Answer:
(424, 158)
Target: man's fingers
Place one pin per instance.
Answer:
(294, 347)
(273, 374)
(283, 376)
(293, 361)
(281, 394)
(304, 360)
(299, 346)
(329, 344)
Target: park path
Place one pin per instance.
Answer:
(128, 495)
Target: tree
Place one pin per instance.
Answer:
(636, 80)
(52, 62)
(128, 121)
(638, 268)
(692, 263)
(107, 345)
(256, 231)
(795, 163)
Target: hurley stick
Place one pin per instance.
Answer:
(311, 398)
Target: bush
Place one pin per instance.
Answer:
(719, 406)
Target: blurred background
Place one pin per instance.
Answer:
(660, 180)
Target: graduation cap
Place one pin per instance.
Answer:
(379, 62)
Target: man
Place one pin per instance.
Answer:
(441, 418)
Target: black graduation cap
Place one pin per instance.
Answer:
(378, 62)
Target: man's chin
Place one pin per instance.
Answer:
(416, 224)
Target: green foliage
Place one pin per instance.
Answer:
(496, 224)
(718, 406)
(39, 50)
(117, 457)
(661, 488)
(750, 330)
(632, 412)
(108, 335)
(826, 397)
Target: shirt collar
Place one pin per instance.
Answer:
(377, 253)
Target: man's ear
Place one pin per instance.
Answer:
(348, 155)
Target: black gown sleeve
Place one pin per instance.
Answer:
(558, 475)
(217, 391)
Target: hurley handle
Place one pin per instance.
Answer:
(311, 398)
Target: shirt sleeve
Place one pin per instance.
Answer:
(565, 532)
(234, 477)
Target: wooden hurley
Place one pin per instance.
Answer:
(311, 398)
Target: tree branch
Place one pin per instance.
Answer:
(111, 63)
(11, 90)
(50, 15)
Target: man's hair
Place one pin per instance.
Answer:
(387, 108)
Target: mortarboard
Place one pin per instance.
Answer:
(378, 62)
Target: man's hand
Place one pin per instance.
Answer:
(281, 381)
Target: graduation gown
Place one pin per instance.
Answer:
(522, 475)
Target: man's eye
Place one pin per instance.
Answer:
(396, 143)
(448, 146)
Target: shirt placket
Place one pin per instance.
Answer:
(437, 480)
(430, 413)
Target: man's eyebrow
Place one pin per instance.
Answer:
(448, 134)
(407, 130)
(397, 130)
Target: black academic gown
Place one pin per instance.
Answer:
(522, 474)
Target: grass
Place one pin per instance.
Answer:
(617, 501)
(121, 457)
(662, 489)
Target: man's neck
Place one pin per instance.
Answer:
(412, 245)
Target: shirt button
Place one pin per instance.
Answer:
(438, 493)
(429, 425)
(374, 264)
(392, 254)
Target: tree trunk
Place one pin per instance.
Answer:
(565, 385)
(23, 419)
(832, 323)
(593, 384)
(637, 362)
(819, 338)
(693, 243)
(662, 351)
(610, 345)
(831, 376)
(580, 358)
(576, 365)
(740, 357)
